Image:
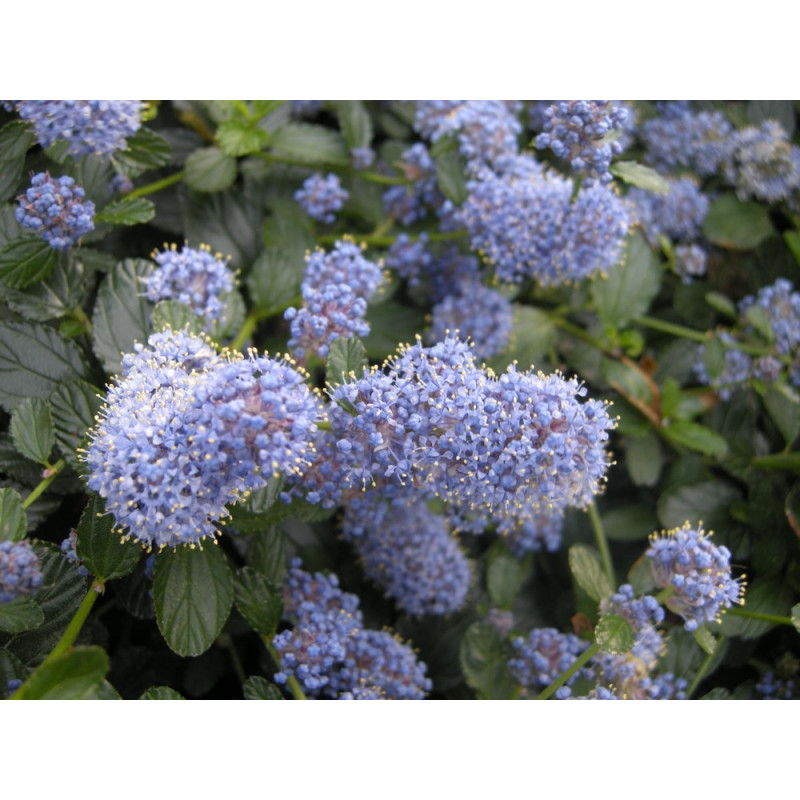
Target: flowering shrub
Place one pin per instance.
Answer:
(399, 400)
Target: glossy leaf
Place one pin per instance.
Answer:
(706, 501)
(54, 297)
(258, 601)
(161, 693)
(347, 359)
(99, 548)
(484, 661)
(588, 572)
(311, 144)
(763, 596)
(209, 170)
(13, 521)
(614, 634)
(258, 688)
(274, 280)
(237, 138)
(639, 175)
(20, 614)
(144, 150)
(128, 211)
(176, 316)
(355, 123)
(32, 430)
(696, 437)
(73, 406)
(26, 261)
(736, 225)
(74, 676)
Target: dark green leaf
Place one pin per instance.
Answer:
(99, 548)
(238, 138)
(355, 123)
(643, 459)
(785, 461)
(128, 211)
(639, 175)
(288, 228)
(722, 303)
(450, 176)
(504, 576)
(176, 316)
(614, 635)
(683, 656)
(763, 596)
(630, 523)
(695, 437)
(588, 572)
(106, 692)
(391, 324)
(192, 593)
(630, 287)
(32, 430)
(258, 688)
(714, 357)
(707, 502)
(20, 614)
(311, 144)
(258, 601)
(16, 138)
(73, 406)
(783, 406)
(33, 361)
(209, 170)
(443, 145)
(26, 261)
(484, 661)
(796, 617)
(54, 297)
(13, 522)
(74, 676)
(347, 360)
(737, 225)
(533, 337)
(10, 229)
(640, 576)
(231, 317)
(266, 554)
(122, 313)
(274, 280)
(145, 150)
(792, 238)
(706, 640)
(161, 693)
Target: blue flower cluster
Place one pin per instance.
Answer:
(782, 306)
(690, 262)
(474, 313)
(698, 573)
(408, 204)
(19, 570)
(577, 129)
(409, 258)
(543, 656)
(90, 126)
(543, 531)
(332, 655)
(525, 224)
(68, 548)
(197, 278)
(677, 215)
(185, 431)
(735, 371)
(56, 210)
(763, 163)
(773, 688)
(335, 290)
(411, 554)
(321, 197)
(362, 157)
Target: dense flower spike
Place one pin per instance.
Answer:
(543, 656)
(90, 126)
(345, 264)
(526, 226)
(477, 314)
(698, 572)
(19, 570)
(321, 197)
(576, 130)
(197, 278)
(56, 210)
(542, 531)
(409, 258)
(677, 215)
(408, 204)
(411, 554)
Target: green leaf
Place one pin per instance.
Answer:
(630, 523)
(258, 688)
(722, 303)
(237, 138)
(639, 175)
(792, 238)
(32, 430)
(614, 635)
(311, 144)
(643, 459)
(26, 261)
(274, 280)
(288, 228)
(161, 693)
(588, 572)
(145, 150)
(450, 176)
(391, 324)
(504, 576)
(736, 225)
(13, 520)
(533, 337)
(16, 138)
(355, 123)
(484, 661)
(208, 169)
(706, 640)
(99, 548)
(714, 357)
(783, 406)
(34, 360)
(707, 502)
(266, 554)
(781, 110)
(763, 596)
(630, 287)
(122, 313)
(128, 211)
(54, 297)
(20, 614)
(796, 617)
(106, 692)
(74, 676)
(683, 656)
(176, 316)
(193, 594)
(695, 437)
(73, 406)
(347, 360)
(258, 601)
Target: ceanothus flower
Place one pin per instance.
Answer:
(736, 369)
(541, 531)
(197, 278)
(541, 657)
(698, 573)
(782, 306)
(409, 258)
(576, 130)
(345, 264)
(362, 157)
(678, 214)
(770, 687)
(690, 262)
(321, 197)
(68, 548)
(90, 126)
(408, 204)
(56, 210)
(19, 570)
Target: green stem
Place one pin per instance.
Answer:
(156, 186)
(292, 683)
(582, 659)
(672, 329)
(386, 241)
(602, 542)
(665, 594)
(703, 669)
(248, 326)
(324, 426)
(79, 315)
(787, 461)
(40, 489)
(741, 612)
(373, 177)
(580, 333)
